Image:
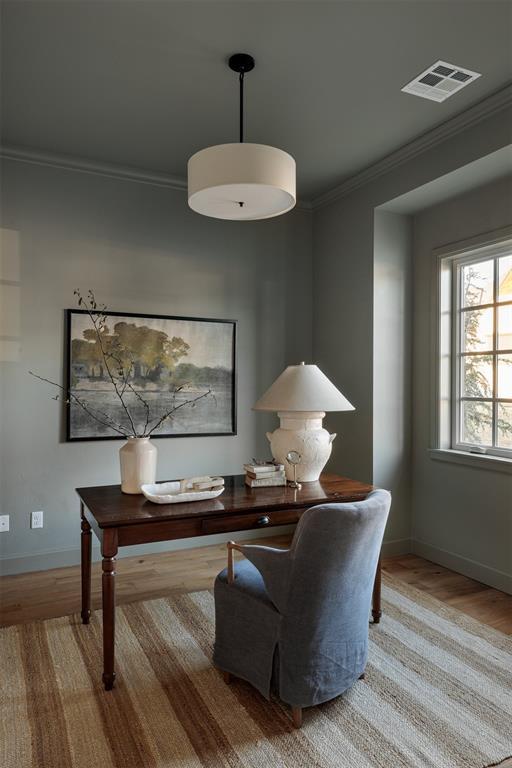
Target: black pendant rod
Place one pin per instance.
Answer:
(241, 63)
(241, 80)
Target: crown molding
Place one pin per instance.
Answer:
(484, 109)
(111, 170)
(489, 106)
(97, 168)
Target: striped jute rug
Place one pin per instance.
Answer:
(437, 694)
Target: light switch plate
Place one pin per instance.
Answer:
(4, 523)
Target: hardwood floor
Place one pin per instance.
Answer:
(488, 605)
(47, 594)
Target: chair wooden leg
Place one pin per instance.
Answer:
(376, 596)
(227, 677)
(297, 717)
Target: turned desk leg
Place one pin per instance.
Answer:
(376, 607)
(109, 552)
(86, 542)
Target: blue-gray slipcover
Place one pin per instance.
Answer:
(298, 618)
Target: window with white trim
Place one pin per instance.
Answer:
(481, 350)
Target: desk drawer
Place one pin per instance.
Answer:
(261, 520)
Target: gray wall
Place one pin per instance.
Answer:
(392, 378)
(462, 515)
(140, 249)
(343, 247)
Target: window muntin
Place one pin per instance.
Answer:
(482, 359)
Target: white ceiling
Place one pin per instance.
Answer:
(145, 83)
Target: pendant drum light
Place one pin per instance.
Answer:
(241, 181)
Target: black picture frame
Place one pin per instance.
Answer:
(68, 362)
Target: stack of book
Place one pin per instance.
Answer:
(262, 474)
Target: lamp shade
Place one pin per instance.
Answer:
(241, 181)
(303, 388)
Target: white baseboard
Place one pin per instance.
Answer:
(396, 547)
(478, 571)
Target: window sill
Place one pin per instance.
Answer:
(477, 460)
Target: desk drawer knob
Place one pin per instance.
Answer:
(265, 520)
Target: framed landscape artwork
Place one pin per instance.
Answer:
(183, 363)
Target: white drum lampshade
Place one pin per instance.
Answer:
(301, 395)
(241, 181)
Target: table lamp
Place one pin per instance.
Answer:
(301, 395)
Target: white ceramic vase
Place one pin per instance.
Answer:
(138, 464)
(302, 432)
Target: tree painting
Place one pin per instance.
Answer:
(131, 375)
(150, 352)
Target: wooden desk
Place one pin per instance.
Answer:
(120, 520)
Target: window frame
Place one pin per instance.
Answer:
(448, 342)
(484, 254)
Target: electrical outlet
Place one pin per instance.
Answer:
(36, 519)
(4, 523)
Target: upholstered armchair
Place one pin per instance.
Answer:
(296, 620)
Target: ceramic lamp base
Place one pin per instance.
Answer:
(302, 431)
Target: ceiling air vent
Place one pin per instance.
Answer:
(440, 81)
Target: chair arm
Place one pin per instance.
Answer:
(272, 563)
(231, 546)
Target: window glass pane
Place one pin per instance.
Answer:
(505, 376)
(477, 325)
(477, 376)
(478, 283)
(505, 425)
(505, 327)
(505, 278)
(476, 423)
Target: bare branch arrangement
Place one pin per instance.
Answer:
(119, 365)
